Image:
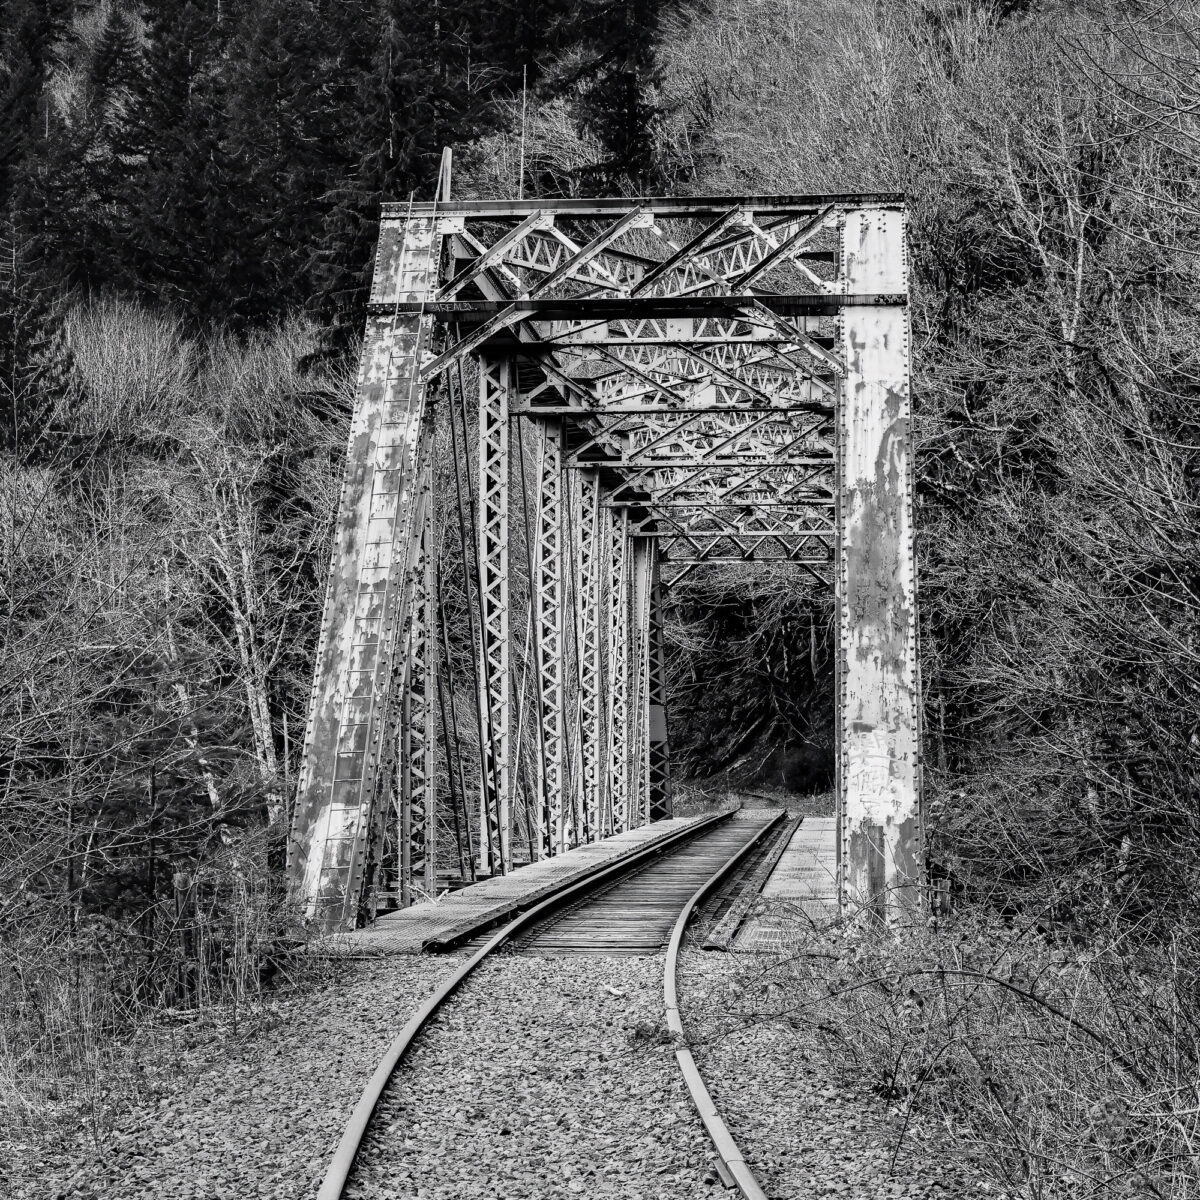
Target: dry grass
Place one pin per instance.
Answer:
(75, 1006)
(1065, 1071)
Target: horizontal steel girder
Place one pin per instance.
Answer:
(641, 308)
(659, 206)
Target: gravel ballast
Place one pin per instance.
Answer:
(218, 1116)
(802, 1132)
(544, 1077)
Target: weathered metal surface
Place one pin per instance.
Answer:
(718, 381)
(879, 809)
(495, 702)
(658, 756)
(548, 599)
(589, 626)
(699, 207)
(418, 823)
(344, 750)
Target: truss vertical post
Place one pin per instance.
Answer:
(350, 737)
(494, 699)
(878, 802)
(576, 827)
(548, 599)
(589, 619)
(642, 555)
(417, 732)
(618, 669)
(658, 755)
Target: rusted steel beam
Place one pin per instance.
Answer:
(494, 685)
(589, 626)
(346, 746)
(658, 751)
(641, 308)
(878, 762)
(618, 668)
(550, 617)
(659, 206)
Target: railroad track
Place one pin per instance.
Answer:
(635, 907)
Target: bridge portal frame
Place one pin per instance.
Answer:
(714, 381)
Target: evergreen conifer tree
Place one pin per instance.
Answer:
(617, 82)
(33, 358)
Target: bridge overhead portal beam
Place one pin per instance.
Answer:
(713, 381)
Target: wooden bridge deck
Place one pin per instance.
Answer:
(803, 885)
(485, 903)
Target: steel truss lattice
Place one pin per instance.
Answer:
(711, 381)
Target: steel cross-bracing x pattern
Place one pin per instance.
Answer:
(702, 381)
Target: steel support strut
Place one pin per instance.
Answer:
(417, 731)
(349, 739)
(494, 698)
(589, 617)
(658, 756)
(642, 555)
(878, 785)
(549, 610)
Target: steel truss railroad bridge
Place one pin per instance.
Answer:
(710, 381)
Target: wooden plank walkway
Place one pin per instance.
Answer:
(635, 915)
(483, 904)
(802, 888)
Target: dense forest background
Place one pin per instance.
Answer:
(188, 197)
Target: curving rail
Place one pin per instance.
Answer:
(727, 1149)
(333, 1186)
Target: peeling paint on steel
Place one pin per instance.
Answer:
(344, 748)
(879, 802)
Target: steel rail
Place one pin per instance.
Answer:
(333, 1186)
(727, 1149)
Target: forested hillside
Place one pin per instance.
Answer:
(188, 198)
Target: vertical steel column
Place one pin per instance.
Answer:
(589, 617)
(618, 669)
(639, 758)
(658, 755)
(417, 732)
(494, 698)
(572, 684)
(350, 735)
(878, 802)
(550, 610)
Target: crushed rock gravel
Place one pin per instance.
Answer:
(544, 1077)
(803, 1132)
(219, 1116)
